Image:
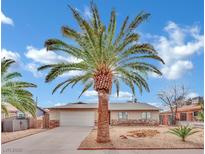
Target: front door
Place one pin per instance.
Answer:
(183, 116)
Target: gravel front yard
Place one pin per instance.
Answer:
(136, 137)
(10, 136)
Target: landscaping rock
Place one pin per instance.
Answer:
(143, 133)
(123, 137)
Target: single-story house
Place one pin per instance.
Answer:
(85, 114)
(185, 113)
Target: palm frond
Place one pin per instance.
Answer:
(141, 17)
(15, 92)
(103, 52)
(86, 87)
(5, 64)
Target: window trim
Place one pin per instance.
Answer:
(122, 115)
(144, 115)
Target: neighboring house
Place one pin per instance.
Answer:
(40, 112)
(14, 112)
(197, 100)
(17, 120)
(187, 112)
(85, 114)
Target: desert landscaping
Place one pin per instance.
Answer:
(143, 137)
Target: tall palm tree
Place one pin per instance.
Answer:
(103, 59)
(14, 91)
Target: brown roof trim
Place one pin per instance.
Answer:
(112, 106)
(72, 109)
(135, 110)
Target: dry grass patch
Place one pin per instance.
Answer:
(125, 137)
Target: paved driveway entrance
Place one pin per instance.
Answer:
(65, 140)
(61, 140)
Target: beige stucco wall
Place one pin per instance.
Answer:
(96, 115)
(54, 115)
(135, 115)
(132, 115)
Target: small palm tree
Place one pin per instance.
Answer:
(13, 91)
(183, 132)
(104, 59)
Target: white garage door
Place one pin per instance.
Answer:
(77, 118)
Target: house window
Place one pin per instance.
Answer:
(196, 113)
(20, 115)
(122, 115)
(146, 115)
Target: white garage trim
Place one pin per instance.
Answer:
(77, 118)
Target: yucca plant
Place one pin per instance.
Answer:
(104, 59)
(183, 132)
(14, 91)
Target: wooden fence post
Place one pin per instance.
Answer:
(46, 120)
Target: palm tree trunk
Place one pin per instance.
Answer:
(103, 135)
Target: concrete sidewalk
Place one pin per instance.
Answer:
(65, 140)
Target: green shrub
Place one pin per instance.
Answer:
(183, 132)
(200, 116)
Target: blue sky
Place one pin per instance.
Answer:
(175, 29)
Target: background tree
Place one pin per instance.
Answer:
(14, 91)
(104, 59)
(173, 98)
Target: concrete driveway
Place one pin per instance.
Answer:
(59, 140)
(65, 140)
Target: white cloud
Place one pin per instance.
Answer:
(6, 20)
(72, 73)
(90, 93)
(175, 33)
(122, 94)
(177, 70)
(87, 13)
(32, 67)
(176, 48)
(192, 95)
(7, 54)
(10, 55)
(42, 56)
(59, 104)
